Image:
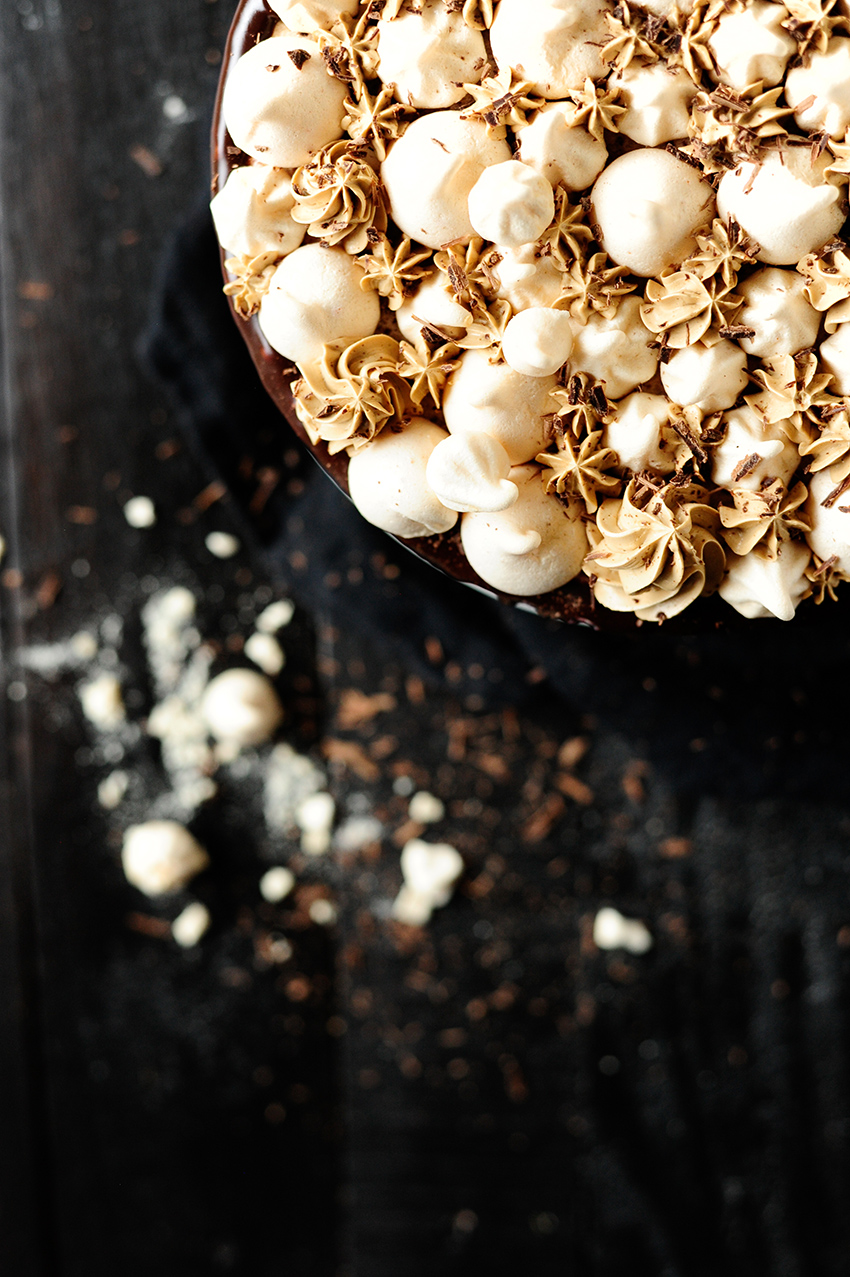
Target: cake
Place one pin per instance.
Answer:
(556, 289)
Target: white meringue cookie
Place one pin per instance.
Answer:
(709, 377)
(658, 99)
(386, 482)
(429, 54)
(314, 298)
(839, 313)
(569, 155)
(430, 171)
(784, 203)
(493, 399)
(648, 205)
(615, 351)
(278, 113)
(537, 342)
(662, 8)
(432, 303)
(526, 279)
(747, 438)
(830, 524)
(835, 358)
(752, 45)
(535, 546)
(252, 212)
(469, 472)
(511, 204)
(636, 434)
(826, 78)
(554, 44)
(311, 15)
(758, 586)
(777, 309)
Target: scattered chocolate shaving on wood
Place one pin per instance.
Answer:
(208, 496)
(356, 708)
(149, 163)
(575, 789)
(348, 753)
(540, 824)
(82, 514)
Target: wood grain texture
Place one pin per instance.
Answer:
(133, 1137)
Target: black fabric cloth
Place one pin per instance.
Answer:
(717, 1139)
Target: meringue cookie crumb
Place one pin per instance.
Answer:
(140, 512)
(189, 926)
(425, 808)
(613, 931)
(265, 651)
(222, 544)
(276, 884)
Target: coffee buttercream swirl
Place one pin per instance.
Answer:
(827, 275)
(681, 307)
(339, 197)
(765, 518)
(581, 468)
(790, 384)
(347, 397)
(655, 550)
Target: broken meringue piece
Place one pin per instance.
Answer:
(253, 212)
(648, 204)
(534, 546)
(511, 204)
(161, 857)
(430, 171)
(493, 399)
(469, 472)
(784, 203)
(757, 585)
(314, 299)
(241, 707)
(537, 341)
(386, 481)
(280, 105)
(430, 871)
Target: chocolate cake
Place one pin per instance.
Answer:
(557, 295)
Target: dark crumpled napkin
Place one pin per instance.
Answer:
(754, 710)
(719, 1145)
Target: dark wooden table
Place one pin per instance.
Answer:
(490, 1095)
